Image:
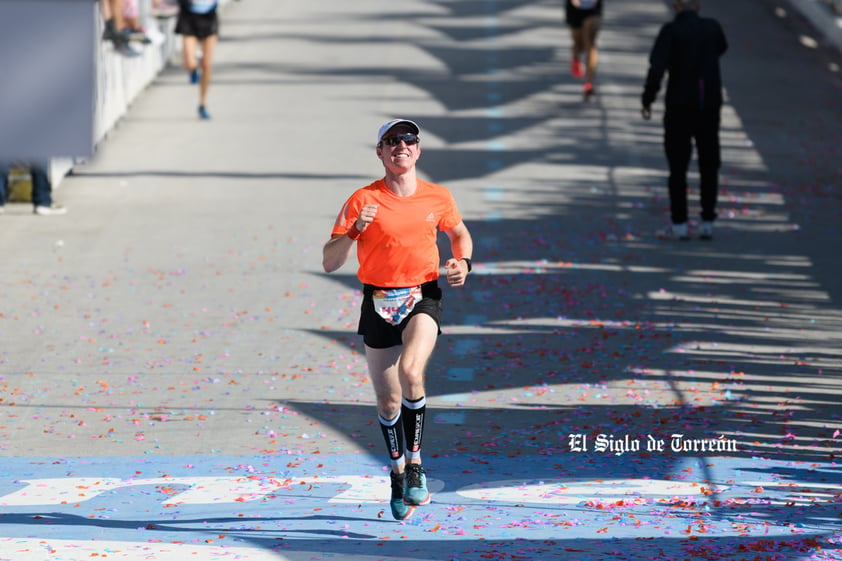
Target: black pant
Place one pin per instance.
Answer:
(680, 129)
(41, 188)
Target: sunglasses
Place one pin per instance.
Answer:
(408, 138)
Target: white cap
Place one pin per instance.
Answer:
(384, 128)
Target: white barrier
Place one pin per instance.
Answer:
(120, 78)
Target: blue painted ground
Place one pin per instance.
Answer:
(289, 507)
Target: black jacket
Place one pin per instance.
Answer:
(688, 48)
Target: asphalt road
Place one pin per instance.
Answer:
(174, 333)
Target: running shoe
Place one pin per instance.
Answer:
(51, 210)
(400, 510)
(124, 47)
(674, 232)
(203, 113)
(576, 69)
(706, 230)
(194, 76)
(416, 486)
(588, 91)
(136, 35)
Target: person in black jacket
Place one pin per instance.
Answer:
(689, 48)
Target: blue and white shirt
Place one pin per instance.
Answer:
(203, 6)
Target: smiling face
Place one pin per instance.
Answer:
(401, 157)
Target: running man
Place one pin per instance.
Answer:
(584, 18)
(198, 24)
(395, 222)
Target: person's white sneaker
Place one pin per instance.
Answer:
(51, 210)
(674, 232)
(706, 230)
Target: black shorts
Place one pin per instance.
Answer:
(380, 334)
(201, 26)
(575, 17)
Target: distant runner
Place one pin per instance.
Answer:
(584, 18)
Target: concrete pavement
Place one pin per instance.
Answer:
(825, 16)
(180, 378)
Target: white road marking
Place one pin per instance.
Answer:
(39, 549)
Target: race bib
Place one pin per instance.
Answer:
(395, 304)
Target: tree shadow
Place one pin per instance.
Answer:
(577, 320)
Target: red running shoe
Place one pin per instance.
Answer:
(576, 69)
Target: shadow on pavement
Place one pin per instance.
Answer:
(578, 321)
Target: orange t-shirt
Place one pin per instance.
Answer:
(398, 249)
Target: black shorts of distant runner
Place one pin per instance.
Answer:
(200, 26)
(575, 17)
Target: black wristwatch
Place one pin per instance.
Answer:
(468, 261)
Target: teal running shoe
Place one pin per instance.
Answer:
(416, 486)
(400, 510)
